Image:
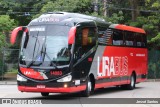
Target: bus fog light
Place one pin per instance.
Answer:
(65, 86)
(20, 78)
(65, 79)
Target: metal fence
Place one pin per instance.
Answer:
(154, 64)
(9, 64)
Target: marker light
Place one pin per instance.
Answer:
(65, 86)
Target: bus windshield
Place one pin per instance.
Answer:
(45, 45)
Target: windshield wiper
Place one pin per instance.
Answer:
(31, 62)
(43, 50)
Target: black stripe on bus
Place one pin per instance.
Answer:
(116, 79)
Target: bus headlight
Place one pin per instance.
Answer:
(20, 78)
(65, 79)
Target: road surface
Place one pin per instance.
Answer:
(142, 90)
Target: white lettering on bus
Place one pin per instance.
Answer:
(49, 20)
(37, 29)
(140, 54)
(108, 66)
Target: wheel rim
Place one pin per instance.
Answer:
(132, 81)
(89, 86)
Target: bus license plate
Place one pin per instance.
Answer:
(41, 86)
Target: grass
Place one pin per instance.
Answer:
(12, 71)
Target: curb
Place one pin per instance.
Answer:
(8, 82)
(15, 82)
(152, 80)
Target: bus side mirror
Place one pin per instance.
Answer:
(72, 34)
(15, 33)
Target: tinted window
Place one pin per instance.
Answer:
(144, 40)
(126, 38)
(88, 36)
(129, 38)
(117, 37)
(138, 40)
(104, 36)
(85, 40)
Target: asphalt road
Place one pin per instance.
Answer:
(142, 90)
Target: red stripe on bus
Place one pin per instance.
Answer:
(52, 90)
(129, 28)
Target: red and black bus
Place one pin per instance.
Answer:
(69, 52)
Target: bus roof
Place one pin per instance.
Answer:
(57, 17)
(127, 28)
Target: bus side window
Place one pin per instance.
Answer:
(109, 36)
(129, 38)
(144, 40)
(103, 36)
(117, 38)
(138, 39)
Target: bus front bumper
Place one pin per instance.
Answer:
(52, 90)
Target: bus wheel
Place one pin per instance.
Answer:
(131, 86)
(44, 94)
(88, 90)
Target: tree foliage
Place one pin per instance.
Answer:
(81, 6)
(6, 25)
(139, 13)
(116, 18)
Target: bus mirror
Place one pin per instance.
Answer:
(72, 34)
(15, 33)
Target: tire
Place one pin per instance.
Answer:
(88, 89)
(131, 86)
(44, 94)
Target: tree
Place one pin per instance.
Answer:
(21, 10)
(80, 6)
(6, 25)
(116, 18)
(135, 9)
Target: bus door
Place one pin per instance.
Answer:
(84, 48)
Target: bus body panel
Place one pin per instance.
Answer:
(120, 64)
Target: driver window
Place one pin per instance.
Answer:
(85, 40)
(89, 37)
(85, 32)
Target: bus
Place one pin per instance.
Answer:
(65, 52)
